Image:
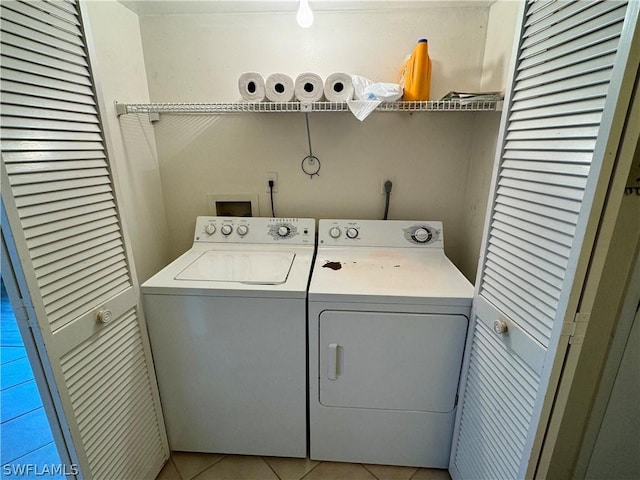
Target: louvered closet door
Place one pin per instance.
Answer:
(568, 54)
(62, 211)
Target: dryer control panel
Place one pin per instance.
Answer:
(292, 231)
(381, 233)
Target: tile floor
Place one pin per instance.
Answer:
(202, 466)
(25, 435)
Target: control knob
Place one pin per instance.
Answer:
(352, 232)
(422, 235)
(242, 230)
(283, 231)
(334, 232)
(210, 229)
(226, 229)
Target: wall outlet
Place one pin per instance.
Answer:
(383, 179)
(271, 176)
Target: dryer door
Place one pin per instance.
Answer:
(393, 361)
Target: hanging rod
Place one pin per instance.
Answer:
(284, 107)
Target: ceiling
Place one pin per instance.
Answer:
(178, 7)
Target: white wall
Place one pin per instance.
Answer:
(615, 454)
(120, 73)
(231, 154)
(500, 38)
(199, 58)
(496, 66)
(483, 148)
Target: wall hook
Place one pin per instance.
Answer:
(311, 165)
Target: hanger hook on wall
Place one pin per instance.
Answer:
(310, 164)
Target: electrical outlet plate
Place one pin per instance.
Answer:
(383, 179)
(271, 176)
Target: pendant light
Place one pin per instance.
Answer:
(304, 15)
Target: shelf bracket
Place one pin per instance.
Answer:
(121, 108)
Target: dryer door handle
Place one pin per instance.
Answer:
(332, 361)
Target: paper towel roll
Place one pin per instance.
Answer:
(279, 87)
(251, 86)
(309, 87)
(338, 87)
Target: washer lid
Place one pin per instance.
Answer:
(255, 267)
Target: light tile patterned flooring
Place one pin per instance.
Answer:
(202, 466)
(25, 435)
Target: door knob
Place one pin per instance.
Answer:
(104, 316)
(500, 327)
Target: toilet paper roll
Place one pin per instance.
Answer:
(251, 86)
(338, 87)
(309, 87)
(279, 87)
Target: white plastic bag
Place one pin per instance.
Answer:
(387, 92)
(368, 95)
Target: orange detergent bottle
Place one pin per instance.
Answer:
(415, 73)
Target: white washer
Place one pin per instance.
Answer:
(227, 322)
(388, 318)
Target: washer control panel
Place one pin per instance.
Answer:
(294, 231)
(381, 233)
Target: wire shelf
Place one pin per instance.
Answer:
(286, 107)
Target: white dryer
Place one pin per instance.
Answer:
(227, 323)
(388, 318)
